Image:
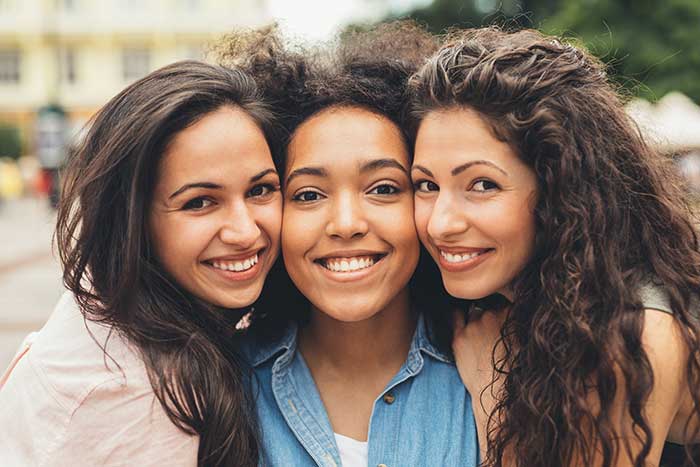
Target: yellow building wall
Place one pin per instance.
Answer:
(99, 30)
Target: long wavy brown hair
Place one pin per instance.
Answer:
(610, 216)
(188, 346)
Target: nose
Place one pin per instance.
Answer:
(447, 219)
(347, 219)
(239, 228)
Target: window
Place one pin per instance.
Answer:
(67, 65)
(9, 66)
(136, 62)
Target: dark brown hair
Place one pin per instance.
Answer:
(109, 263)
(610, 217)
(365, 68)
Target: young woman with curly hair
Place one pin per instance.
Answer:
(358, 377)
(569, 238)
(168, 226)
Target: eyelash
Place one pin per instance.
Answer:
(393, 188)
(188, 206)
(299, 196)
(265, 186)
(417, 186)
(268, 189)
(485, 181)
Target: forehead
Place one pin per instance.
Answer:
(225, 139)
(345, 137)
(455, 134)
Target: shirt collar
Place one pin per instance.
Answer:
(259, 353)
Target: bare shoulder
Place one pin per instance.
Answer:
(668, 354)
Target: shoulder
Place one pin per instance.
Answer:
(74, 355)
(66, 393)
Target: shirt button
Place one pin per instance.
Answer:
(381, 465)
(389, 398)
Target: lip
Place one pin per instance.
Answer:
(464, 265)
(349, 254)
(245, 255)
(353, 275)
(238, 276)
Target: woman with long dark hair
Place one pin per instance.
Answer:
(168, 226)
(570, 240)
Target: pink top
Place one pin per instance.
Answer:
(63, 403)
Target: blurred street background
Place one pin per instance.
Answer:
(60, 60)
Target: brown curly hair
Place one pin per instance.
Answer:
(364, 68)
(610, 216)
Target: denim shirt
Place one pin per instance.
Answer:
(422, 418)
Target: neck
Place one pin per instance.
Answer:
(374, 345)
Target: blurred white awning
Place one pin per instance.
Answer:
(671, 125)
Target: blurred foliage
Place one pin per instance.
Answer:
(10, 142)
(651, 46)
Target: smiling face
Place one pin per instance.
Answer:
(348, 236)
(474, 201)
(216, 211)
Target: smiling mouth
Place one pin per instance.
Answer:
(349, 264)
(238, 265)
(456, 258)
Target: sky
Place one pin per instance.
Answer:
(319, 19)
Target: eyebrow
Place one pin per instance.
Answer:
(423, 169)
(459, 169)
(189, 186)
(314, 171)
(382, 163)
(214, 186)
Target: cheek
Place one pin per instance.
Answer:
(423, 210)
(296, 233)
(268, 217)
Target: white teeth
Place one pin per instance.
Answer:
(347, 264)
(460, 258)
(236, 265)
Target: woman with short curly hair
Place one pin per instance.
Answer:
(570, 240)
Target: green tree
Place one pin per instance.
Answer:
(651, 46)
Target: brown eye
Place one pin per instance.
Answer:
(307, 196)
(485, 185)
(384, 189)
(197, 204)
(426, 186)
(261, 190)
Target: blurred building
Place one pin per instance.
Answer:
(79, 53)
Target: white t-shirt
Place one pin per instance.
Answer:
(353, 453)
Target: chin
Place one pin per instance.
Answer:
(237, 299)
(459, 290)
(348, 312)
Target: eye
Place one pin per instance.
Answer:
(307, 196)
(484, 185)
(426, 186)
(261, 190)
(384, 189)
(197, 204)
